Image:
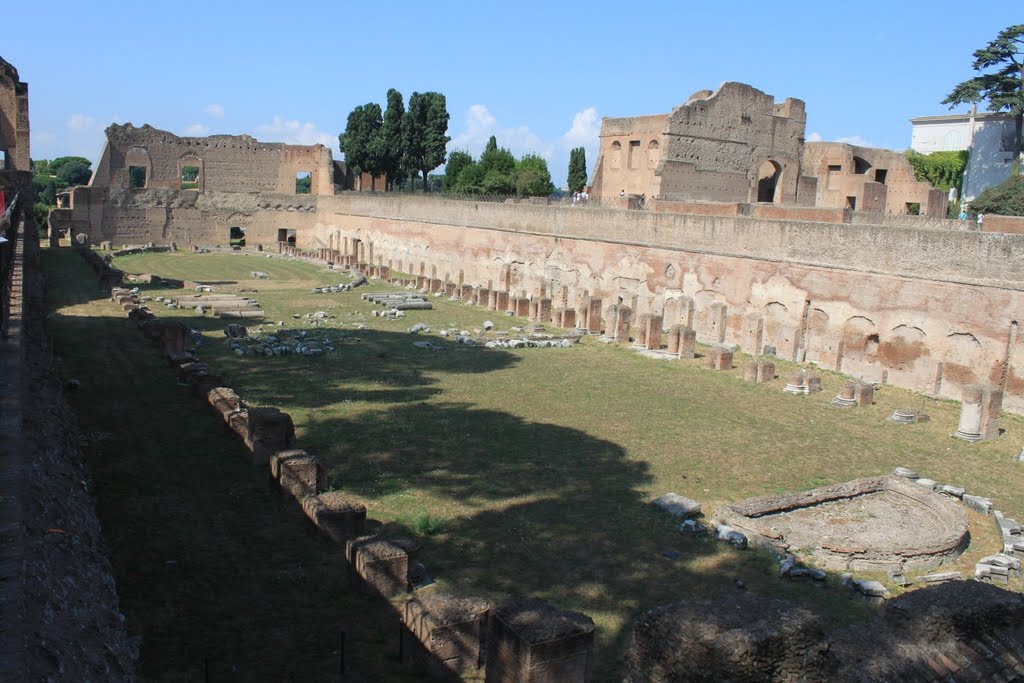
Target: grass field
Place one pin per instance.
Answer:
(523, 472)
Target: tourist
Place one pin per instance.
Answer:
(981, 220)
(584, 197)
(622, 193)
(963, 215)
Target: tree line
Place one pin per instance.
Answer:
(50, 177)
(397, 143)
(497, 172)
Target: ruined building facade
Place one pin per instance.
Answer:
(735, 144)
(869, 179)
(738, 145)
(14, 129)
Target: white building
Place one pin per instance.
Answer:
(987, 136)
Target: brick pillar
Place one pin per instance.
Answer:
(501, 301)
(623, 320)
(522, 307)
(653, 335)
(442, 633)
(568, 318)
(594, 316)
(544, 310)
(520, 646)
(687, 342)
(641, 330)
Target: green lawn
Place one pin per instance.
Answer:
(524, 472)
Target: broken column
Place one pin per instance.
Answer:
(979, 413)
(718, 358)
(443, 633)
(501, 301)
(682, 341)
(532, 641)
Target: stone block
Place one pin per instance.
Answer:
(335, 515)
(269, 431)
(238, 422)
(718, 359)
(298, 473)
(443, 633)
(531, 641)
(224, 401)
(501, 301)
(765, 370)
(750, 371)
(568, 319)
(679, 506)
(378, 565)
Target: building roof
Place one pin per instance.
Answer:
(952, 118)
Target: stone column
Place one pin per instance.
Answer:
(501, 301)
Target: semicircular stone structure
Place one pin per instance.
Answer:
(873, 524)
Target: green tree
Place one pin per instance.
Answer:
(492, 145)
(425, 132)
(940, 169)
(499, 169)
(56, 164)
(392, 140)
(74, 172)
(361, 142)
(458, 160)
(45, 189)
(577, 179)
(471, 179)
(39, 166)
(532, 177)
(1002, 89)
(1005, 199)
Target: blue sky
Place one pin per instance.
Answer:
(539, 75)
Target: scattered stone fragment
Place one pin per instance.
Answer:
(978, 504)
(906, 472)
(693, 529)
(939, 578)
(677, 505)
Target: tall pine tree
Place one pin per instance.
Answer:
(577, 179)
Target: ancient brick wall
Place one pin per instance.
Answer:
(931, 310)
(14, 125)
(876, 179)
(227, 163)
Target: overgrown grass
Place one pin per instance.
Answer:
(218, 574)
(530, 471)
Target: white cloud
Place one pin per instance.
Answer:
(43, 137)
(216, 110)
(294, 133)
(814, 137)
(81, 122)
(196, 130)
(481, 125)
(586, 126)
(856, 140)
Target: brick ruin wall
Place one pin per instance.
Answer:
(929, 310)
(226, 163)
(722, 137)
